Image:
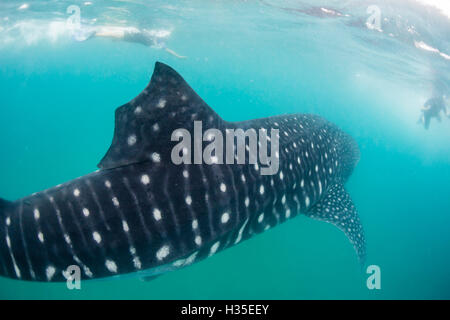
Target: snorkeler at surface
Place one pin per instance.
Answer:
(432, 109)
(150, 38)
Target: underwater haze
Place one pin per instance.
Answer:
(367, 66)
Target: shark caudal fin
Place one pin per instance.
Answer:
(144, 125)
(338, 209)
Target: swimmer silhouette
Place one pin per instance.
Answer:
(150, 38)
(432, 109)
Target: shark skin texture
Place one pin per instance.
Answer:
(143, 215)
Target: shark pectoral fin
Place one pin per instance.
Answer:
(144, 126)
(337, 208)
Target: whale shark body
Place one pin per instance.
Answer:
(141, 213)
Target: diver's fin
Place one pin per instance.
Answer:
(144, 125)
(150, 278)
(337, 208)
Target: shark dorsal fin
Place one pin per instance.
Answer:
(144, 126)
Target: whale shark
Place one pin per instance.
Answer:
(143, 214)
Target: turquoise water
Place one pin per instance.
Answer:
(248, 59)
